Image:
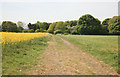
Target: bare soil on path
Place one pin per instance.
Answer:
(63, 58)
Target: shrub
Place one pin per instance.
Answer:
(60, 26)
(38, 30)
(28, 31)
(66, 33)
(41, 30)
(25, 31)
(19, 29)
(44, 25)
(52, 28)
(50, 31)
(58, 32)
(31, 30)
(74, 32)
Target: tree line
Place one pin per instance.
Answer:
(85, 25)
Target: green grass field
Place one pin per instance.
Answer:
(104, 48)
(21, 56)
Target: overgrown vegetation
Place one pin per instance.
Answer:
(21, 56)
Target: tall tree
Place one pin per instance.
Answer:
(44, 25)
(8, 26)
(114, 25)
(105, 24)
(33, 26)
(73, 23)
(30, 26)
(89, 25)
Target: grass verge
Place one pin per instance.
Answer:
(21, 56)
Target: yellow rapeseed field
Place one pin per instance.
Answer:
(10, 37)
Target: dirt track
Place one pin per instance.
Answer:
(63, 58)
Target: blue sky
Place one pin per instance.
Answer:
(54, 10)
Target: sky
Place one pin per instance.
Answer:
(55, 10)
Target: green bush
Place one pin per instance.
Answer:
(19, 29)
(28, 31)
(38, 30)
(25, 31)
(60, 26)
(43, 25)
(50, 31)
(42, 30)
(66, 33)
(58, 32)
(74, 32)
(52, 28)
(31, 30)
(33, 26)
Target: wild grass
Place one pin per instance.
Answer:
(21, 56)
(104, 48)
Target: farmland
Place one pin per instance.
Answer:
(43, 53)
(59, 38)
(20, 50)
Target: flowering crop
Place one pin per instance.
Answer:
(9, 37)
